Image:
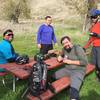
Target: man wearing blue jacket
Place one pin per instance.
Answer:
(46, 36)
(7, 52)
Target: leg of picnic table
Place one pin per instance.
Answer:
(3, 81)
(25, 92)
(14, 83)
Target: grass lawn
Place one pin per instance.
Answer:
(26, 44)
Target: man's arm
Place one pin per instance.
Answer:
(39, 35)
(95, 35)
(53, 36)
(82, 59)
(91, 39)
(8, 53)
(98, 36)
(11, 59)
(73, 62)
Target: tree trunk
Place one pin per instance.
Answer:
(87, 21)
(16, 14)
(14, 19)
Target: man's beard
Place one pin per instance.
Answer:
(68, 49)
(11, 39)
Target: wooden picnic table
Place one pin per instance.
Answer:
(23, 71)
(17, 70)
(59, 84)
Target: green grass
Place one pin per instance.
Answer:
(26, 44)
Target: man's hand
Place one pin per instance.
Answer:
(84, 49)
(94, 34)
(60, 59)
(51, 51)
(73, 62)
(56, 44)
(39, 46)
(67, 61)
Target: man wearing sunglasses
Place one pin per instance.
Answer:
(95, 41)
(7, 52)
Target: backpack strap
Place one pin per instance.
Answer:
(76, 49)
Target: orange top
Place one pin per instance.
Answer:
(94, 40)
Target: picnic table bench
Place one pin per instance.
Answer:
(59, 84)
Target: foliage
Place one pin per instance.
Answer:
(14, 9)
(24, 8)
(79, 5)
(82, 7)
(8, 9)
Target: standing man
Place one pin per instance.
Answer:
(95, 41)
(7, 52)
(94, 16)
(75, 66)
(46, 36)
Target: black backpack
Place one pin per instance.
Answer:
(38, 78)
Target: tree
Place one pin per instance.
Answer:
(15, 9)
(82, 8)
(78, 5)
(87, 22)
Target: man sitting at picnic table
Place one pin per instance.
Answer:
(75, 66)
(7, 52)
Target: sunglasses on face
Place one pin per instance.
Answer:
(93, 17)
(9, 34)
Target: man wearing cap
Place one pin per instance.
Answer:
(7, 52)
(95, 40)
(95, 26)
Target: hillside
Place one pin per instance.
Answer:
(56, 8)
(39, 8)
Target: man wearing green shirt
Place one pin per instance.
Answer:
(75, 65)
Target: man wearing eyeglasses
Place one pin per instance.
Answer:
(7, 52)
